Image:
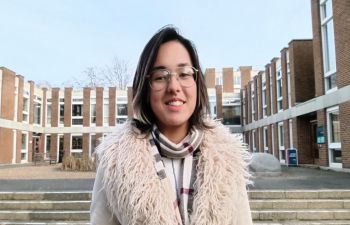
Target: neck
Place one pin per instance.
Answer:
(175, 134)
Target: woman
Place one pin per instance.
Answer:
(170, 164)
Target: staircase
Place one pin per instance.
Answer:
(44, 208)
(330, 207)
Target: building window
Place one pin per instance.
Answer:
(279, 89)
(24, 147)
(334, 141)
(37, 113)
(237, 81)
(77, 145)
(329, 58)
(48, 112)
(106, 111)
(93, 111)
(266, 138)
(25, 109)
(253, 100)
(253, 141)
(48, 144)
(122, 110)
(281, 142)
(231, 114)
(77, 112)
(61, 111)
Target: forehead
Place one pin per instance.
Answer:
(172, 54)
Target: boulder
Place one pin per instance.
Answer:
(264, 164)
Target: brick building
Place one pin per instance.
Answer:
(301, 100)
(54, 121)
(68, 121)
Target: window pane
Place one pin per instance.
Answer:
(335, 127)
(326, 9)
(37, 112)
(92, 143)
(336, 156)
(24, 141)
(93, 113)
(77, 142)
(61, 113)
(331, 81)
(77, 110)
(330, 46)
(48, 118)
(231, 115)
(122, 109)
(48, 143)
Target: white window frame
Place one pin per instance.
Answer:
(332, 145)
(45, 145)
(38, 100)
(281, 145)
(266, 146)
(61, 123)
(48, 103)
(26, 112)
(122, 100)
(92, 102)
(71, 143)
(105, 112)
(324, 21)
(25, 150)
(253, 141)
(279, 95)
(77, 101)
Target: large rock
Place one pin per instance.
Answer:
(265, 164)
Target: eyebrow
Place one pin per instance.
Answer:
(163, 67)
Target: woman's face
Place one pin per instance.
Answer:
(174, 104)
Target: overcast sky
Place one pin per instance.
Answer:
(57, 40)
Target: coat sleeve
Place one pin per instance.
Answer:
(100, 213)
(244, 215)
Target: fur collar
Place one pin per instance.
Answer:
(137, 196)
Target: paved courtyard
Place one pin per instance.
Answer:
(51, 178)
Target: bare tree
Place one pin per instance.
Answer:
(117, 74)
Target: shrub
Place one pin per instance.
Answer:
(78, 163)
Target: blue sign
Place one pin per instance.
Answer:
(320, 135)
(292, 157)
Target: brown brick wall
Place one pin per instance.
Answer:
(218, 90)
(302, 71)
(286, 134)
(268, 90)
(249, 102)
(274, 94)
(245, 74)
(323, 148)
(68, 107)
(284, 78)
(20, 98)
(53, 146)
(66, 144)
(210, 77)
(304, 144)
(86, 106)
(112, 105)
(259, 96)
(55, 107)
(99, 106)
(317, 48)
(86, 144)
(227, 78)
(256, 97)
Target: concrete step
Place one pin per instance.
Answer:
(299, 194)
(301, 215)
(291, 222)
(4, 222)
(49, 215)
(300, 204)
(44, 205)
(58, 196)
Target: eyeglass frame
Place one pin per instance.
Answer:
(168, 77)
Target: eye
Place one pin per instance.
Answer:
(159, 75)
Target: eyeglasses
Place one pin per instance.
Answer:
(185, 75)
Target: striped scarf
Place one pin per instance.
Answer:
(186, 150)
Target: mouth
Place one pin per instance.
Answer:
(175, 102)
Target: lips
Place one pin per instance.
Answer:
(175, 102)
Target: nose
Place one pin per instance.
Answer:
(173, 83)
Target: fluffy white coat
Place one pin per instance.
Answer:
(127, 190)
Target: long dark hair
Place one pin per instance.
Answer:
(145, 117)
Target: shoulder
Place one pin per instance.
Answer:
(122, 135)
